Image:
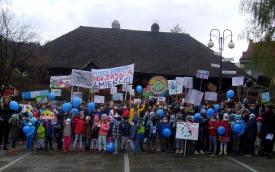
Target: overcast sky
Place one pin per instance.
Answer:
(53, 18)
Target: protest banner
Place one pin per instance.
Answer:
(127, 88)
(99, 99)
(117, 97)
(47, 114)
(238, 81)
(158, 85)
(113, 90)
(57, 92)
(194, 97)
(111, 77)
(202, 74)
(34, 94)
(82, 78)
(76, 94)
(187, 131)
(41, 99)
(212, 96)
(60, 81)
(265, 97)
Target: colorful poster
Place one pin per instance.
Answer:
(238, 81)
(60, 81)
(187, 131)
(118, 97)
(194, 97)
(212, 96)
(82, 78)
(99, 99)
(42, 99)
(111, 77)
(172, 87)
(34, 94)
(203, 74)
(158, 85)
(49, 115)
(113, 90)
(57, 92)
(265, 97)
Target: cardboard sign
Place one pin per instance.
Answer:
(203, 74)
(161, 99)
(187, 131)
(76, 94)
(127, 88)
(238, 81)
(60, 81)
(57, 92)
(107, 78)
(118, 97)
(186, 82)
(265, 97)
(137, 101)
(82, 78)
(113, 90)
(132, 92)
(194, 97)
(212, 96)
(99, 99)
(173, 88)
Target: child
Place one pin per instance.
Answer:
(125, 133)
(212, 132)
(40, 134)
(14, 129)
(152, 135)
(258, 144)
(88, 132)
(49, 132)
(104, 128)
(226, 137)
(94, 134)
(67, 135)
(251, 131)
(30, 136)
(237, 136)
(79, 130)
(116, 132)
(164, 141)
(179, 142)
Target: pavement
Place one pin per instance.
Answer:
(54, 161)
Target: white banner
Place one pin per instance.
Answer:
(99, 99)
(118, 97)
(212, 96)
(238, 81)
(127, 88)
(113, 90)
(186, 82)
(187, 131)
(60, 81)
(203, 74)
(194, 97)
(82, 78)
(107, 78)
(57, 92)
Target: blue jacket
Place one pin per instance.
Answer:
(164, 125)
(49, 128)
(125, 129)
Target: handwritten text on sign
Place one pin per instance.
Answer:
(108, 78)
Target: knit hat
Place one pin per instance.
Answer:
(252, 116)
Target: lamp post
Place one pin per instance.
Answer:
(221, 39)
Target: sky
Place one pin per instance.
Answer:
(53, 18)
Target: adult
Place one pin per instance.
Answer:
(5, 115)
(268, 128)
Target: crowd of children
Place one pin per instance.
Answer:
(140, 125)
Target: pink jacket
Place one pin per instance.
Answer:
(104, 128)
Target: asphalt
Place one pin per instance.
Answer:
(143, 162)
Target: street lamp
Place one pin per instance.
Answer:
(221, 39)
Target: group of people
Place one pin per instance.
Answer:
(140, 125)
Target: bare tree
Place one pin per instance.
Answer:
(177, 29)
(16, 46)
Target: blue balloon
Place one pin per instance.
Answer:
(51, 96)
(26, 129)
(75, 111)
(216, 107)
(237, 128)
(14, 105)
(197, 117)
(160, 113)
(76, 102)
(66, 107)
(91, 106)
(229, 94)
(33, 120)
(210, 112)
(139, 89)
(110, 148)
(220, 130)
(167, 132)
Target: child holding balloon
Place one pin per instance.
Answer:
(79, 129)
(212, 126)
(225, 138)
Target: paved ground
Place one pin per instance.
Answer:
(158, 162)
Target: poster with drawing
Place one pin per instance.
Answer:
(187, 131)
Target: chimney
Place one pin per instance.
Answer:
(155, 27)
(115, 24)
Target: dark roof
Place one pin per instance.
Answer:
(152, 52)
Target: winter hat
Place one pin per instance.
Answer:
(225, 117)
(88, 118)
(252, 116)
(68, 120)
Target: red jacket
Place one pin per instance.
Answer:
(227, 128)
(212, 131)
(126, 113)
(79, 126)
(104, 128)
